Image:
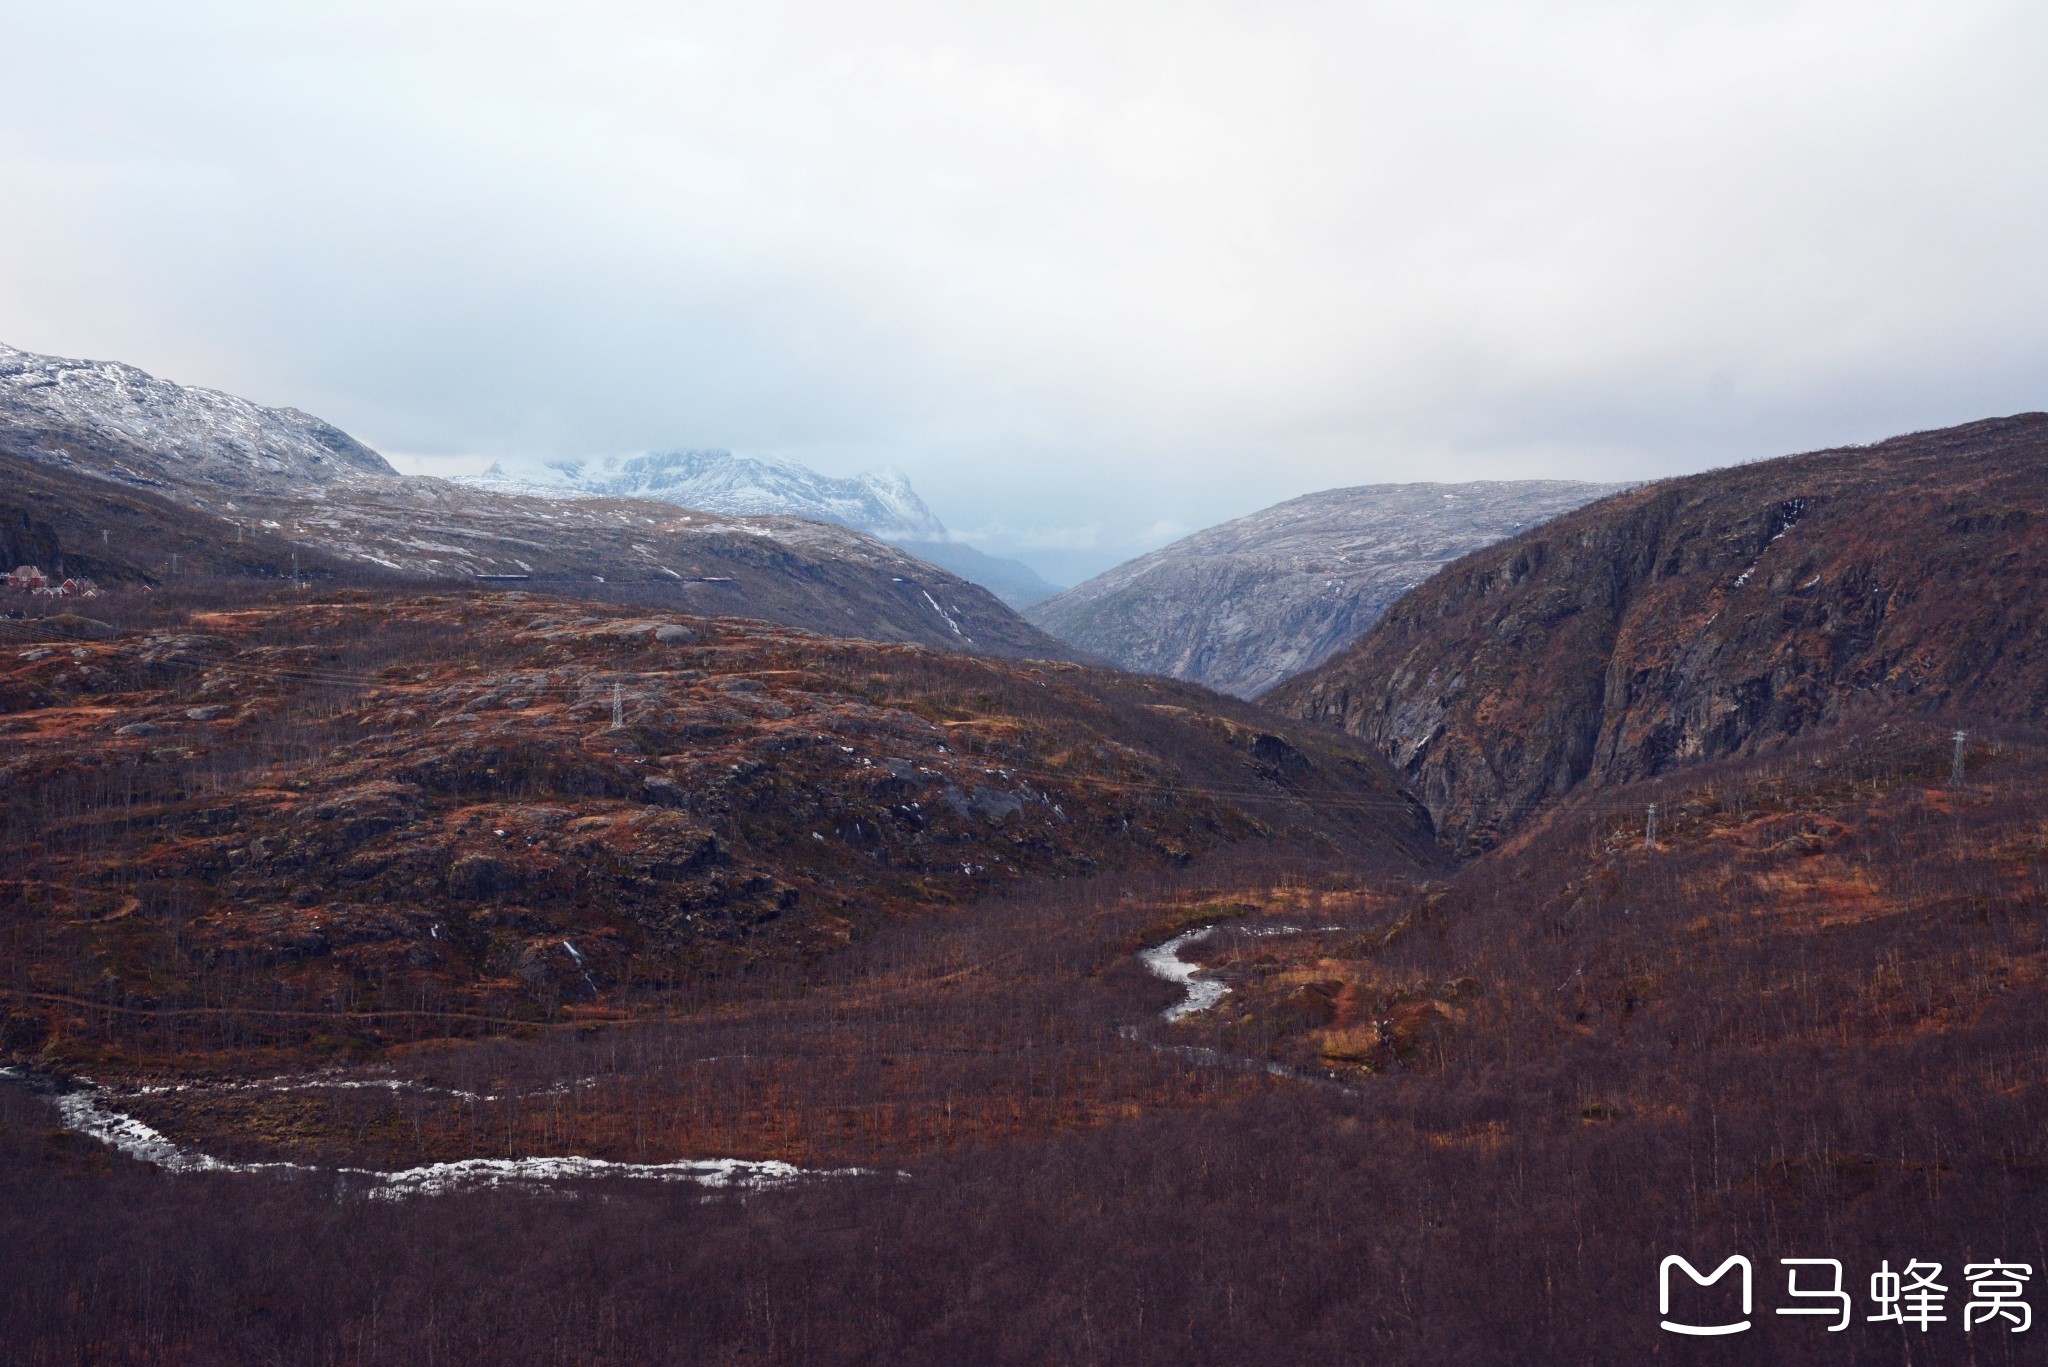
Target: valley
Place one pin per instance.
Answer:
(505, 805)
(918, 1005)
(1759, 1032)
(906, 685)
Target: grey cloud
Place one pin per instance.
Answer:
(1129, 264)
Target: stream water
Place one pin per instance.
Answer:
(91, 1111)
(1164, 961)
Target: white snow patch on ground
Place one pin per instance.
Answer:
(470, 1173)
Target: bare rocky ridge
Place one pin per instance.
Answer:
(1715, 615)
(1250, 602)
(816, 575)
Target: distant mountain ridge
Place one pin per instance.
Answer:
(1013, 581)
(879, 502)
(1247, 603)
(220, 485)
(117, 422)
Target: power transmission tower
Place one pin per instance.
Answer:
(618, 707)
(1650, 828)
(1955, 768)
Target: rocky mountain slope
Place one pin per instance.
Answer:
(501, 803)
(70, 524)
(1250, 602)
(230, 487)
(117, 422)
(880, 503)
(371, 880)
(815, 575)
(1709, 616)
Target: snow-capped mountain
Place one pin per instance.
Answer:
(115, 421)
(881, 503)
(1250, 602)
(231, 487)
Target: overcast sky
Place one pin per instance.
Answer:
(1089, 274)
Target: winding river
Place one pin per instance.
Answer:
(92, 1110)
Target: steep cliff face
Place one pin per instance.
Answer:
(1245, 604)
(1713, 615)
